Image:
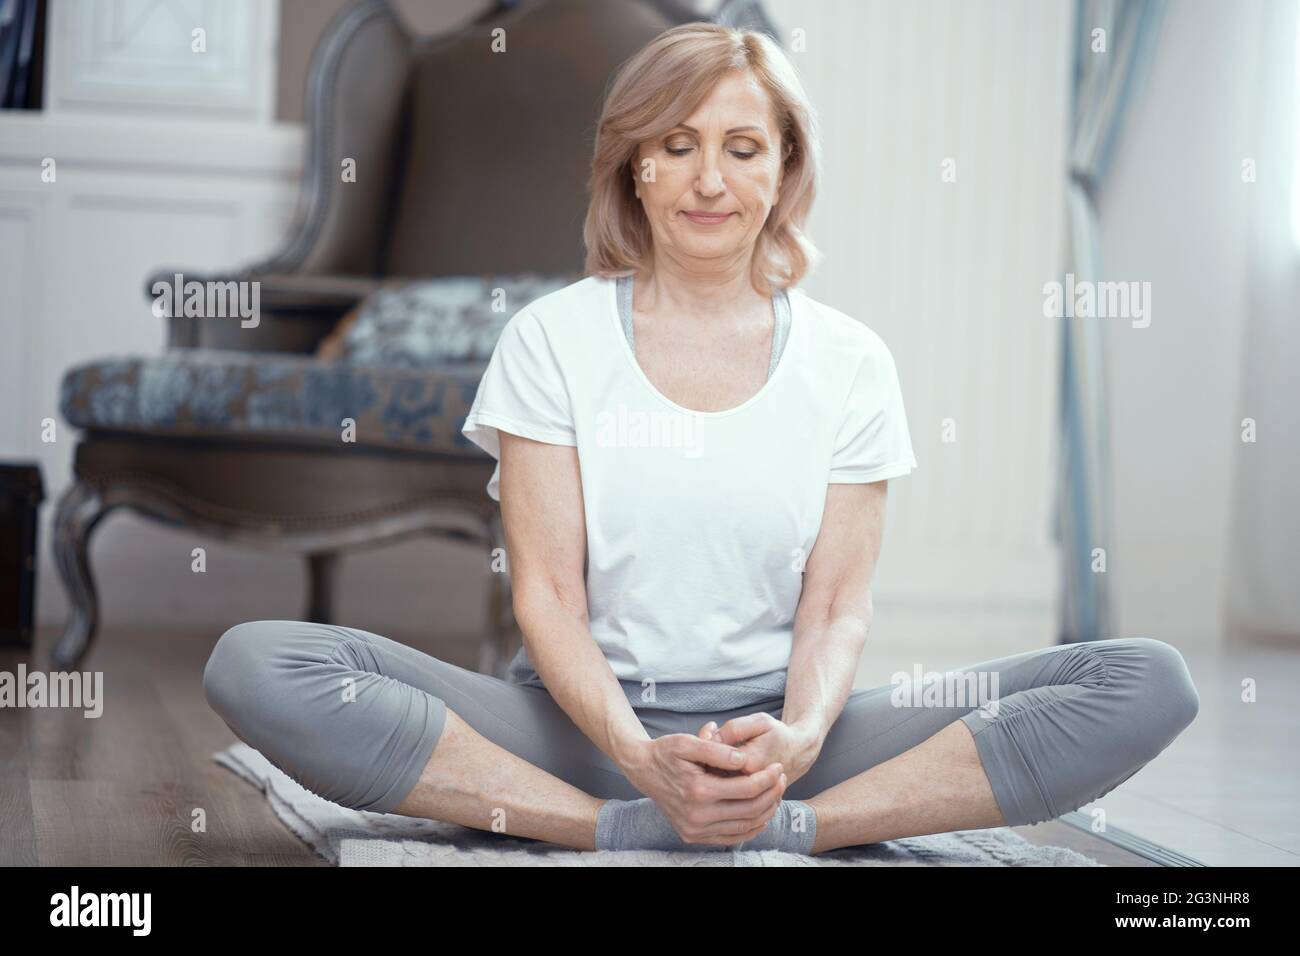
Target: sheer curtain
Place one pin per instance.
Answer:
(1264, 564)
(1114, 41)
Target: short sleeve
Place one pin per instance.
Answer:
(522, 392)
(873, 442)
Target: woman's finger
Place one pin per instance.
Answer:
(739, 729)
(756, 811)
(711, 787)
(707, 753)
(735, 831)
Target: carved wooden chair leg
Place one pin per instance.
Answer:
(498, 645)
(322, 570)
(80, 508)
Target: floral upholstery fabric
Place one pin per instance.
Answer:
(423, 323)
(209, 392)
(407, 374)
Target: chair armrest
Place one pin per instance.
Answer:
(298, 310)
(282, 292)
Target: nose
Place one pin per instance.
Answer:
(708, 181)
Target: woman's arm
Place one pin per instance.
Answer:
(546, 539)
(830, 630)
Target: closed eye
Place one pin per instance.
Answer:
(683, 150)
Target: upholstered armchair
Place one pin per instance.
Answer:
(468, 164)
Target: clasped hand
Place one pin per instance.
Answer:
(723, 785)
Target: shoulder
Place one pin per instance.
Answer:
(554, 329)
(839, 335)
(568, 310)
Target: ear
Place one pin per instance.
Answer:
(636, 179)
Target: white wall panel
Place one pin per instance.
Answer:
(140, 55)
(950, 274)
(130, 196)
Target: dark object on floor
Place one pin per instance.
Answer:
(22, 43)
(21, 494)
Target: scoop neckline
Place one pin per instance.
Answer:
(617, 327)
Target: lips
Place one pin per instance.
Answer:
(707, 218)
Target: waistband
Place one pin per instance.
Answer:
(679, 696)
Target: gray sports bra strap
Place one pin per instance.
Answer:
(625, 307)
(780, 308)
(781, 305)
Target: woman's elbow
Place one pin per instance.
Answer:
(546, 599)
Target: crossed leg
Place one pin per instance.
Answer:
(936, 787)
(372, 724)
(1051, 730)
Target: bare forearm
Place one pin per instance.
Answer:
(576, 674)
(823, 662)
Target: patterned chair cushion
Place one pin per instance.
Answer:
(264, 395)
(405, 366)
(424, 323)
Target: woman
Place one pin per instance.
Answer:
(692, 461)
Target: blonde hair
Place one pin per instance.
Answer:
(656, 90)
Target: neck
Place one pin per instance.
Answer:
(686, 289)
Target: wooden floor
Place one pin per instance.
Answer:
(125, 788)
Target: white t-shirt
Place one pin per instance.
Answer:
(698, 523)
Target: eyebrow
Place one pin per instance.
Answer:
(734, 129)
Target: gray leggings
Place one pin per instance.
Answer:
(353, 717)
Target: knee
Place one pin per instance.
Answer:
(1168, 684)
(234, 666)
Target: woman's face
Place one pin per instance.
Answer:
(708, 185)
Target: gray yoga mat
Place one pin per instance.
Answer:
(359, 838)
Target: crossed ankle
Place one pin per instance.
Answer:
(641, 825)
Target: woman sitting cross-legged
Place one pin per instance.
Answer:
(692, 462)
